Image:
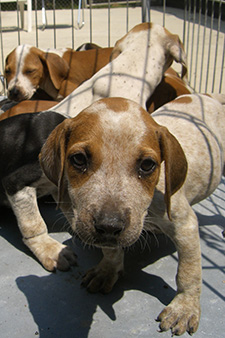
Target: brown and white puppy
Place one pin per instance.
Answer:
(171, 86)
(22, 182)
(123, 171)
(169, 44)
(56, 72)
(139, 60)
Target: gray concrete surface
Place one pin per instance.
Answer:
(36, 303)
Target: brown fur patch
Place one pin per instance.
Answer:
(33, 63)
(82, 66)
(85, 137)
(186, 99)
(169, 89)
(10, 66)
(28, 107)
(142, 26)
(117, 104)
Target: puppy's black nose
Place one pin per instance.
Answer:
(109, 224)
(14, 93)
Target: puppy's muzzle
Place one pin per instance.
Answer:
(109, 224)
(104, 227)
(15, 94)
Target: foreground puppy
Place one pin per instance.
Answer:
(122, 172)
(155, 42)
(22, 182)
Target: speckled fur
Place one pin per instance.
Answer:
(139, 61)
(116, 134)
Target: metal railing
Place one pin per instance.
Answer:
(69, 23)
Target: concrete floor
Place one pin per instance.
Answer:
(36, 303)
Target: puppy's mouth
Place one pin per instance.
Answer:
(107, 230)
(105, 240)
(99, 241)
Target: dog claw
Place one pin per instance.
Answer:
(52, 254)
(66, 259)
(100, 279)
(179, 316)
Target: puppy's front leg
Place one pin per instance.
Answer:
(106, 273)
(48, 251)
(183, 313)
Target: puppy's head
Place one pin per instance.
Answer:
(160, 45)
(108, 160)
(26, 67)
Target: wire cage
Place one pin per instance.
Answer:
(69, 23)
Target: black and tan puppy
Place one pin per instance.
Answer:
(22, 182)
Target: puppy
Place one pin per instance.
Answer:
(56, 72)
(22, 182)
(27, 106)
(165, 43)
(139, 60)
(124, 171)
(170, 87)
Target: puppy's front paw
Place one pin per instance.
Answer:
(101, 278)
(52, 254)
(181, 315)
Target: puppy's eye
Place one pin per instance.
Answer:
(7, 71)
(147, 166)
(29, 71)
(79, 161)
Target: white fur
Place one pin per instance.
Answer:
(134, 74)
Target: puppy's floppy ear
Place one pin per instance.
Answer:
(57, 67)
(175, 164)
(52, 156)
(176, 49)
(115, 52)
